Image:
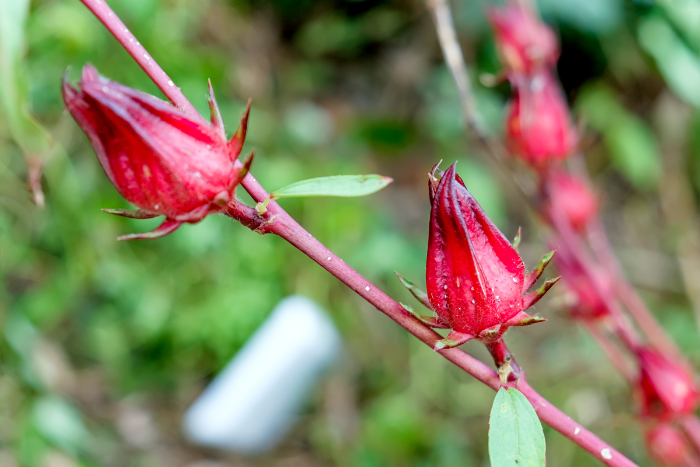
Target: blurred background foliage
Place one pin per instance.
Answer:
(105, 344)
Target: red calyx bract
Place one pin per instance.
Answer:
(538, 127)
(588, 303)
(524, 43)
(666, 388)
(475, 277)
(159, 158)
(667, 446)
(571, 198)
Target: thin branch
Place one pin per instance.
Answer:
(691, 426)
(122, 34)
(600, 245)
(610, 350)
(454, 58)
(455, 61)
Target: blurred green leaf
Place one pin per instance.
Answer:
(632, 145)
(685, 17)
(678, 64)
(515, 433)
(28, 133)
(595, 16)
(337, 185)
(634, 151)
(60, 423)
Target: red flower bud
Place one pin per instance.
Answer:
(525, 44)
(159, 158)
(475, 277)
(665, 388)
(538, 127)
(667, 446)
(571, 198)
(587, 303)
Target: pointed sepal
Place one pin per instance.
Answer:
(132, 213)
(535, 274)
(492, 333)
(235, 144)
(433, 322)
(167, 227)
(433, 181)
(453, 339)
(420, 295)
(216, 120)
(518, 237)
(534, 297)
(523, 319)
(243, 171)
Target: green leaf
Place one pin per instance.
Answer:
(26, 131)
(339, 185)
(515, 432)
(630, 141)
(677, 63)
(634, 152)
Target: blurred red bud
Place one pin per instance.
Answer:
(475, 278)
(666, 388)
(667, 446)
(159, 158)
(538, 126)
(570, 198)
(525, 44)
(587, 303)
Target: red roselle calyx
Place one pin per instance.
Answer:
(667, 446)
(538, 126)
(666, 388)
(476, 279)
(159, 158)
(587, 301)
(570, 198)
(525, 44)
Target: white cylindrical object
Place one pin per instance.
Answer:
(254, 401)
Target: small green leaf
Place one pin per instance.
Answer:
(515, 432)
(339, 185)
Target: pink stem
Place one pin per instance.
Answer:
(280, 223)
(577, 249)
(610, 350)
(691, 426)
(657, 336)
(122, 34)
(502, 355)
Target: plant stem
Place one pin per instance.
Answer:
(691, 426)
(279, 222)
(610, 350)
(121, 33)
(600, 244)
(508, 368)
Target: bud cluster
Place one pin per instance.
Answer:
(539, 132)
(538, 127)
